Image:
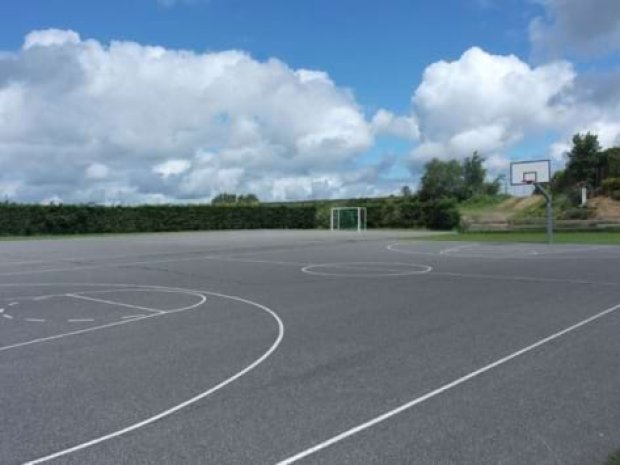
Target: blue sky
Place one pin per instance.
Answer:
(377, 49)
(401, 82)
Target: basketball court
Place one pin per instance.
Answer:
(331, 347)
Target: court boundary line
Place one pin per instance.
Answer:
(446, 387)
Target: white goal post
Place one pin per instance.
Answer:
(348, 219)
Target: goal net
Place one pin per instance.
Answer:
(348, 219)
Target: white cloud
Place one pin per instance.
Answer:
(487, 103)
(404, 127)
(584, 28)
(149, 115)
(97, 171)
(172, 168)
(50, 37)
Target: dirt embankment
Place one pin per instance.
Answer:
(504, 211)
(605, 208)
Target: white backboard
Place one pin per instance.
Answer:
(530, 172)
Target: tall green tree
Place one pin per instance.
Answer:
(474, 175)
(585, 162)
(442, 179)
(611, 158)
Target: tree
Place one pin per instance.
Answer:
(233, 199)
(405, 191)
(224, 199)
(559, 181)
(474, 175)
(248, 199)
(612, 162)
(494, 187)
(442, 179)
(585, 161)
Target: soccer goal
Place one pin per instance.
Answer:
(348, 219)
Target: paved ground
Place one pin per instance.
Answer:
(310, 347)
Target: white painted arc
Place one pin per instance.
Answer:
(378, 268)
(391, 413)
(188, 402)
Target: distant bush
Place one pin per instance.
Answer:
(610, 185)
(577, 214)
(441, 214)
(20, 219)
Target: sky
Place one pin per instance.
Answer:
(175, 101)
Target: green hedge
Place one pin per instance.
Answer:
(397, 212)
(20, 219)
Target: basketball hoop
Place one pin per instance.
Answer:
(530, 177)
(526, 173)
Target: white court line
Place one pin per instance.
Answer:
(7, 316)
(112, 302)
(391, 248)
(457, 248)
(127, 317)
(35, 320)
(188, 402)
(203, 299)
(387, 415)
(378, 272)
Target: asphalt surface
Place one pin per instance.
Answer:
(309, 347)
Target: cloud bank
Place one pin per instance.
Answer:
(491, 103)
(83, 121)
(487, 103)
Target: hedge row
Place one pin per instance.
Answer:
(24, 220)
(19, 219)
